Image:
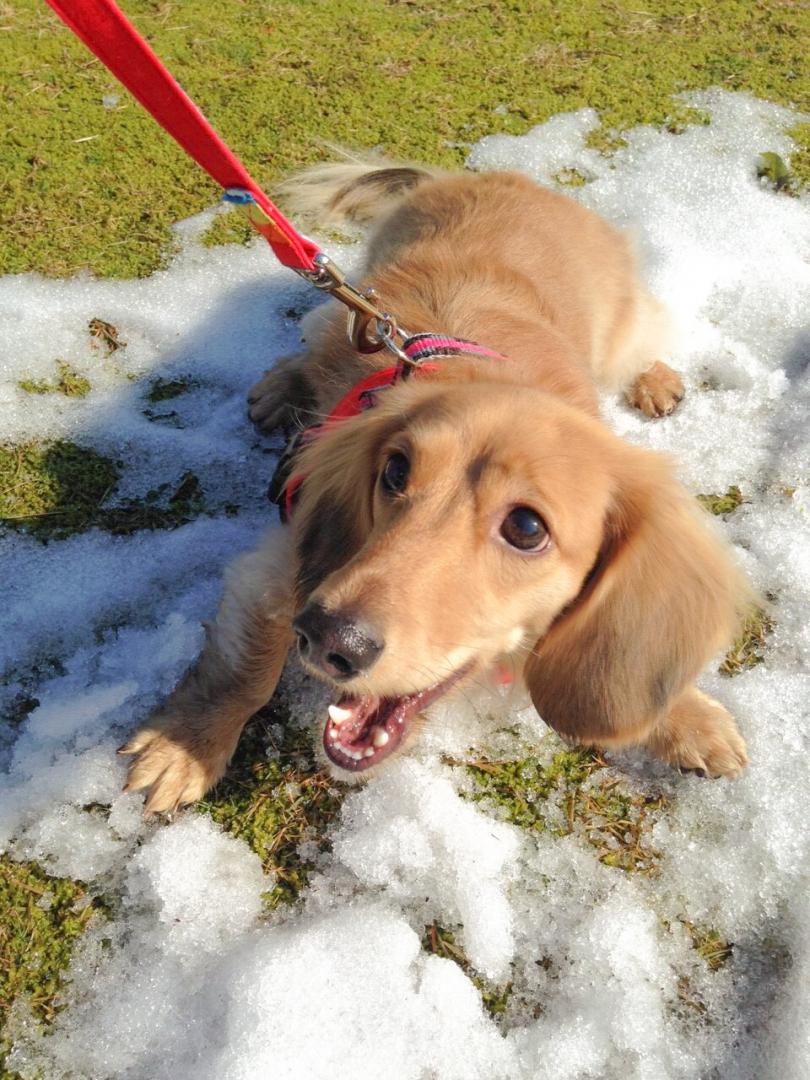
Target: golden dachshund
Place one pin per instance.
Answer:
(480, 513)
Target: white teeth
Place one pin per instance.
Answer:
(338, 715)
(355, 755)
(380, 737)
(333, 734)
(369, 752)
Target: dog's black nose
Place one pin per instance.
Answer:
(338, 645)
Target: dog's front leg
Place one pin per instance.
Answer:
(185, 746)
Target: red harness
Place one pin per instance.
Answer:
(419, 349)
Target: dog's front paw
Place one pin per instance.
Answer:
(173, 765)
(657, 391)
(282, 398)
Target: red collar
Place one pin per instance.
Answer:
(418, 348)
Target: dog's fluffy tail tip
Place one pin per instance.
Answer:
(355, 191)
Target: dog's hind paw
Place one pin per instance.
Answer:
(657, 391)
(700, 736)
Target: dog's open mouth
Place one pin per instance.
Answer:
(363, 731)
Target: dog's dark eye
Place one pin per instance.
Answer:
(394, 477)
(524, 529)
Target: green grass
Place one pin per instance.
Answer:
(748, 648)
(53, 490)
(167, 389)
(89, 186)
(230, 227)
(722, 505)
(709, 945)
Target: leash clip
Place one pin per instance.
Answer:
(368, 327)
(364, 313)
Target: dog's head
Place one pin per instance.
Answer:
(454, 526)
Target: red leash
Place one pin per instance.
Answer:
(106, 31)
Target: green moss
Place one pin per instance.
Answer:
(722, 505)
(606, 140)
(565, 797)
(684, 116)
(748, 648)
(772, 168)
(800, 159)
(56, 490)
(70, 383)
(571, 178)
(442, 942)
(89, 186)
(41, 919)
(164, 507)
(522, 788)
(53, 490)
(276, 804)
(228, 227)
(166, 389)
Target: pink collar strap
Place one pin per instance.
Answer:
(419, 347)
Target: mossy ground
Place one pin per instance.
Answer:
(54, 490)
(69, 382)
(42, 917)
(748, 648)
(167, 389)
(722, 505)
(568, 796)
(89, 182)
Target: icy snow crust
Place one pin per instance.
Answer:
(192, 981)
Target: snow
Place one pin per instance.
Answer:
(188, 978)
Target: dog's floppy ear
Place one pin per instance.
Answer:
(662, 597)
(332, 515)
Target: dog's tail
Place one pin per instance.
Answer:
(359, 190)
